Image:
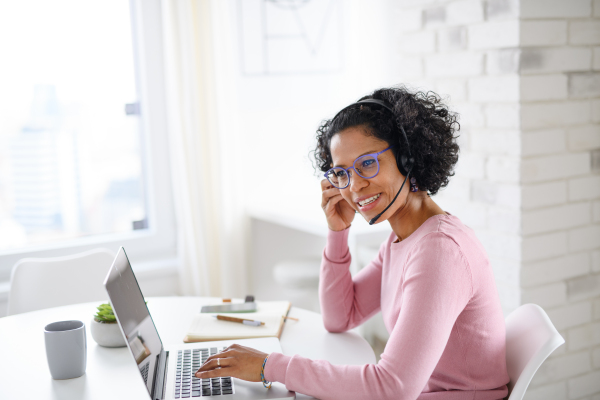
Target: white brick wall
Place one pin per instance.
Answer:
(502, 115)
(584, 336)
(543, 33)
(584, 32)
(555, 269)
(543, 87)
(584, 385)
(544, 194)
(562, 367)
(555, 167)
(464, 12)
(490, 35)
(551, 115)
(555, 8)
(584, 238)
(542, 142)
(546, 296)
(544, 60)
(451, 65)
(544, 246)
(525, 77)
(556, 218)
(584, 188)
(452, 39)
(584, 137)
(568, 316)
(494, 88)
(551, 391)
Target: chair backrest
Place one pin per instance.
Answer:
(38, 283)
(530, 339)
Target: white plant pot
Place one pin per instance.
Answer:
(107, 334)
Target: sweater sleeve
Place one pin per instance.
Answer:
(347, 302)
(436, 287)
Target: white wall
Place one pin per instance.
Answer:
(560, 121)
(275, 116)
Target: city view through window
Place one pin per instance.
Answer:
(70, 153)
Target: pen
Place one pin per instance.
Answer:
(239, 320)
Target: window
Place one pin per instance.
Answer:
(81, 130)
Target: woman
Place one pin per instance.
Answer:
(432, 280)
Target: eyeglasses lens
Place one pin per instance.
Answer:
(338, 177)
(366, 166)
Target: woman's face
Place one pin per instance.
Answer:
(368, 196)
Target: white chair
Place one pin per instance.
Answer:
(38, 283)
(530, 339)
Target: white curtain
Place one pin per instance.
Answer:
(209, 216)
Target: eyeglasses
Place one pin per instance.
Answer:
(366, 166)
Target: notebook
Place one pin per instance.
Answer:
(205, 327)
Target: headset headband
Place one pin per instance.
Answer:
(367, 101)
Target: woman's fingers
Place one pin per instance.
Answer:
(215, 368)
(332, 202)
(227, 353)
(339, 213)
(328, 195)
(235, 361)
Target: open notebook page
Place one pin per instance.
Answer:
(205, 327)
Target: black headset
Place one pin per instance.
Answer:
(404, 159)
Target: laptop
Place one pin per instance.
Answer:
(168, 372)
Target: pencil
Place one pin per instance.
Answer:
(239, 320)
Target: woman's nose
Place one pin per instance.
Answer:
(357, 182)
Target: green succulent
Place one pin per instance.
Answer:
(105, 314)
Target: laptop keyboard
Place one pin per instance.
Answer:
(186, 383)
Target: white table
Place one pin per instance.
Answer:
(111, 373)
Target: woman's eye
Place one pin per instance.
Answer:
(368, 163)
(340, 174)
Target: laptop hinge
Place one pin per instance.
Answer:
(160, 376)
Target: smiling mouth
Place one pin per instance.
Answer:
(369, 200)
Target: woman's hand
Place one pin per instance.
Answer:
(338, 212)
(236, 361)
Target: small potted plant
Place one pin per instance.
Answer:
(104, 327)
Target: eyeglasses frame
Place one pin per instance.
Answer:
(375, 155)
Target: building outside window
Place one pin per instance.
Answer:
(79, 140)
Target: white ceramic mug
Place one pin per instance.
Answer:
(66, 349)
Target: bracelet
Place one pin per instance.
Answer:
(266, 383)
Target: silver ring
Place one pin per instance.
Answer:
(219, 362)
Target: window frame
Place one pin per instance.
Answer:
(158, 241)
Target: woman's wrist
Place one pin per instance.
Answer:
(336, 248)
(338, 230)
(266, 383)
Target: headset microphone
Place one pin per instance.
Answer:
(375, 218)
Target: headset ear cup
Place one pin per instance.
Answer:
(402, 165)
(410, 164)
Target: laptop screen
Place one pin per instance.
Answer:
(132, 313)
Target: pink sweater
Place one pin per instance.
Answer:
(439, 302)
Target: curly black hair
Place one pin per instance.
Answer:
(429, 127)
